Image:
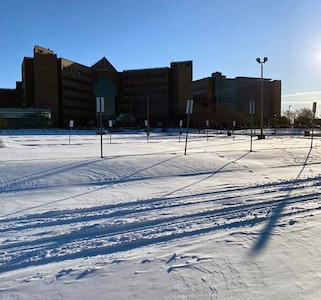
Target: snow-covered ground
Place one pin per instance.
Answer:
(148, 222)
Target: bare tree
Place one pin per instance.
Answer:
(303, 117)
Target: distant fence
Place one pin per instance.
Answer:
(210, 131)
(45, 131)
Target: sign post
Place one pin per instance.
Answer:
(314, 109)
(207, 125)
(252, 112)
(71, 125)
(100, 108)
(147, 130)
(110, 123)
(233, 128)
(189, 110)
(180, 129)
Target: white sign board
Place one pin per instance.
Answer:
(100, 104)
(146, 123)
(180, 123)
(71, 123)
(189, 106)
(110, 123)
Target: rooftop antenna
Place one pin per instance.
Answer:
(103, 50)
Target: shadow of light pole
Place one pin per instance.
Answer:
(277, 213)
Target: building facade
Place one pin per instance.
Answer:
(76, 100)
(146, 96)
(181, 80)
(69, 90)
(204, 103)
(107, 83)
(10, 98)
(25, 118)
(227, 100)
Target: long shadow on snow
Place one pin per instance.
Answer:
(11, 185)
(70, 216)
(40, 257)
(96, 230)
(86, 233)
(127, 178)
(277, 213)
(106, 185)
(211, 175)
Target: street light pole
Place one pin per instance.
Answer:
(261, 136)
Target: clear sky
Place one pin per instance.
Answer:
(217, 35)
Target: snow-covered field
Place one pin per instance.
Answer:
(148, 222)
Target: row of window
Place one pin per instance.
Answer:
(12, 113)
(76, 99)
(200, 84)
(73, 89)
(200, 92)
(140, 94)
(134, 102)
(146, 85)
(77, 108)
(88, 83)
(144, 76)
(75, 71)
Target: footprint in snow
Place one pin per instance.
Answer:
(172, 258)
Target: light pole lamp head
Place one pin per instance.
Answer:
(265, 59)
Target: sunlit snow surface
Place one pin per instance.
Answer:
(148, 222)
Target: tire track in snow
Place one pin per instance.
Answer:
(43, 238)
(217, 196)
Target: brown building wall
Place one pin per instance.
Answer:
(233, 95)
(28, 82)
(76, 93)
(204, 106)
(276, 96)
(249, 89)
(61, 85)
(181, 86)
(46, 82)
(10, 98)
(69, 90)
(141, 85)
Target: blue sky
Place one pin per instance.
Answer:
(218, 35)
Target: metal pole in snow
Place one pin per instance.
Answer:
(189, 110)
(252, 112)
(314, 109)
(101, 132)
(187, 127)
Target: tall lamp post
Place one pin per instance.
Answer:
(261, 62)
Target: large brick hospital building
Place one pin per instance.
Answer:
(64, 90)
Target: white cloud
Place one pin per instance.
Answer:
(301, 100)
